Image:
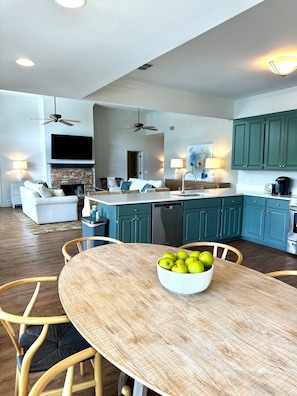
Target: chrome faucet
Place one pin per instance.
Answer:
(183, 179)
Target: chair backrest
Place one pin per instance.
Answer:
(33, 331)
(77, 245)
(221, 250)
(67, 365)
(276, 274)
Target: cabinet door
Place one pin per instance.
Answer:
(276, 223)
(248, 143)
(192, 225)
(135, 228)
(274, 132)
(231, 222)
(276, 228)
(253, 220)
(211, 220)
(290, 142)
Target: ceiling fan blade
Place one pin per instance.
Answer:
(47, 122)
(151, 128)
(40, 119)
(71, 120)
(65, 122)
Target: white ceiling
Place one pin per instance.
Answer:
(215, 48)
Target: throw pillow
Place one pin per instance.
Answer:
(144, 188)
(43, 191)
(111, 182)
(125, 185)
(156, 183)
(57, 192)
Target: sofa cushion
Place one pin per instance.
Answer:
(156, 183)
(137, 184)
(111, 182)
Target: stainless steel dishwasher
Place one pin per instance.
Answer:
(167, 223)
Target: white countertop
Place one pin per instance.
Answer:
(168, 196)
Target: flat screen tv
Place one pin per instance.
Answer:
(71, 147)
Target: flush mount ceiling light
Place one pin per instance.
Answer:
(25, 62)
(71, 3)
(283, 65)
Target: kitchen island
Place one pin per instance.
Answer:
(212, 215)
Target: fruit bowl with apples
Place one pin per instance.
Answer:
(185, 272)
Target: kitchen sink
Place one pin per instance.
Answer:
(188, 193)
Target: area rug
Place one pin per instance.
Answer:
(45, 228)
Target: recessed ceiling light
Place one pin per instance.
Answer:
(71, 3)
(25, 62)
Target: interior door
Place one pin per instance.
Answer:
(135, 164)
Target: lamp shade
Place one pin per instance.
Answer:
(176, 163)
(283, 65)
(213, 163)
(20, 165)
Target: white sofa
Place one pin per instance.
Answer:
(44, 205)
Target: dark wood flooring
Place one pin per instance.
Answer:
(24, 255)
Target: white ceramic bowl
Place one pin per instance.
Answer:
(185, 283)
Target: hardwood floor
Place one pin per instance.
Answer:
(25, 255)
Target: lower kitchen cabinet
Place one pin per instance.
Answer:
(128, 223)
(231, 220)
(265, 221)
(202, 220)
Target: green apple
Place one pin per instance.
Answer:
(179, 262)
(166, 263)
(170, 255)
(195, 267)
(195, 253)
(206, 258)
(181, 254)
(181, 268)
(190, 259)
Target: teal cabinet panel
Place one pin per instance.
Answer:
(265, 221)
(128, 223)
(202, 220)
(290, 142)
(274, 132)
(248, 143)
(231, 221)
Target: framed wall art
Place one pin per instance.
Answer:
(196, 156)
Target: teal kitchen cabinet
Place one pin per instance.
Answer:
(128, 223)
(265, 221)
(248, 143)
(281, 141)
(231, 221)
(202, 220)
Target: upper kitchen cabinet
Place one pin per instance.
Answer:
(248, 143)
(266, 142)
(281, 141)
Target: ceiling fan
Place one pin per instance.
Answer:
(138, 126)
(56, 118)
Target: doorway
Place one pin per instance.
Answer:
(135, 164)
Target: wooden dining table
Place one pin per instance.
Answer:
(238, 337)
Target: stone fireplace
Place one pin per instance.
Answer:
(73, 179)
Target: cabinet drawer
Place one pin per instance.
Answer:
(231, 201)
(134, 209)
(202, 203)
(277, 204)
(256, 201)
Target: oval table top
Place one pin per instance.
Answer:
(238, 337)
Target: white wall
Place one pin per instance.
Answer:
(113, 139)
(25, 139)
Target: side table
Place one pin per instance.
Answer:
(15, 193)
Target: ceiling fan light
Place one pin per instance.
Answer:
(283, 65)
(71, 3)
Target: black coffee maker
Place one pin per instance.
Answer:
(283, 185)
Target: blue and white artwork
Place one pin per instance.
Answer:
(196, 157)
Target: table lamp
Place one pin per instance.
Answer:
(177, 164)
(20, 165)
(211, 164)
